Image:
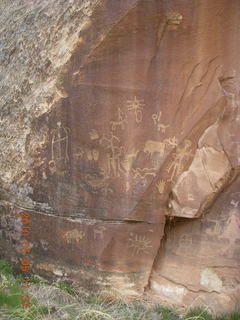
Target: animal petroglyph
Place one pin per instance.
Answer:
(234, 203)
(152, 146)
(156, 120)
(136, 106)
(120, 122)
(172, 141)
(99, 232)
(74, 236)
(139, 244)
(60, 141)
(144, 172)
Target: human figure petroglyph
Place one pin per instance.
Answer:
(139, 244)
(120, 122)
(136, 106)
(60, 141)
(114, 155)
(176, 165)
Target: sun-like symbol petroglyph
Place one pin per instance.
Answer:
(136, 105)
(139, 244)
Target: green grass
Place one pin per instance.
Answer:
(166, 313)
(64, 286)
(5, 267)
(199, 314)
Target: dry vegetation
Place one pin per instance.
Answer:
(60, 301)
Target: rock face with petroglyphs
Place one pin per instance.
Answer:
(120, 138)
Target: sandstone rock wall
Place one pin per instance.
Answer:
(116, 117)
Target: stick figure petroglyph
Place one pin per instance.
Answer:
(115, 152)
(136, 106)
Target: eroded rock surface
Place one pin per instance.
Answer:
(117, 116)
